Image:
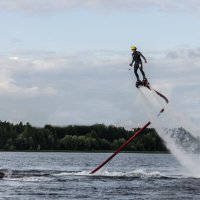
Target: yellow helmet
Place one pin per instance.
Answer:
(133, 47)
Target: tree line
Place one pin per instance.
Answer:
(97, 137)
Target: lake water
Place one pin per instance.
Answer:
(66, 176)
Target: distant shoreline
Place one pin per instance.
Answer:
(73, 138)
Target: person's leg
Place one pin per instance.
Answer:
(142, 72)
(136, 66)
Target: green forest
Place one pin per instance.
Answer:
(97, 137)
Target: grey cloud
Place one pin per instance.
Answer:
(33, 53)
(17, 41)
(87, 84)
(184, 53)
(194, 53)
(64, 5)
(172, 54)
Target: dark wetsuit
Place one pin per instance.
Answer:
(138, 63)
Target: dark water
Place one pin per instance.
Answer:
(66, 176)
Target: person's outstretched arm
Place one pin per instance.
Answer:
(143, 57)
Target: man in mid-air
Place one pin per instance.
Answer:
(136, 57)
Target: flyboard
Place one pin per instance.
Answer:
(144, 83)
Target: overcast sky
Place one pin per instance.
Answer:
(66, 61)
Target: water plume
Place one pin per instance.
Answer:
(180, 137)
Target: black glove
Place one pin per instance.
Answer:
(130, 64)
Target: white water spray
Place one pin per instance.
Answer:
(183, 145)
